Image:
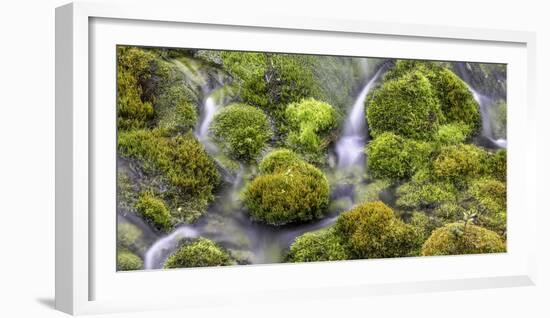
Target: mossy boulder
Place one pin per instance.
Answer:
(425, 195)
(181, 162)
(459, 162)
(310, 123)
(242, 131)
(323, 245)
(456, 239)
(175, 111)
(296, 193)
(127, 261)
(277, 159)
(199, 253)
(452, 134)
(406, 106)
(371, 230)
(392, 156)
(129, 236)
(497, 165)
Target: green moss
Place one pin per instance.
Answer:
(242, 131)
(424, 224)
(426, 195)
(154, 210)
(497, 165)
(297, 193)
(371, 191)
(455, 239)
(127, 261)
(498, 114)
(317, 246)
(128, 235)
(278, 159)
(406, 106)
(489, 198)
(182, 161)
(460, 161)
(371, 230)
(395, 157)
(452, 134)
(175, 111)
(310, 123)
(455, 101)
(199, 253)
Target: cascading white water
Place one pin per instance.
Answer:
(485, 103)
(158, 251)
(210, 108)
(350, 148)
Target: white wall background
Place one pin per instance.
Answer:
(27, 158)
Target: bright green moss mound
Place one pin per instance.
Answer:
(497, 165)
(200, 253)
(175, 112)
(425, 195)
(154, 210)
(278, 159)
(242, 131)
(127, 261)
(297, 193)
(310, 123)
(395, 157)
(455, 239)
(406, 106)
(455, 100)
(452, 134)
(181, 161)
(371, 230)
(460, 161)
(317, 246)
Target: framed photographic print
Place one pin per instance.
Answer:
(267, 156)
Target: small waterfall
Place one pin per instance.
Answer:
(350, 148)
(209, 109)
(485, 103)
(158, 252)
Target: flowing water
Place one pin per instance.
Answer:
(487, 122)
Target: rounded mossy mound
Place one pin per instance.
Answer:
(395, 157)
(456, 239)
(310, 122)
(242, 131)
(154, 210)
(452, 134)
(297, 193)
(127, 261)
(129, 236)
(489, 198)
(277, 159)
(371, 230)
(406, 106)
(323, 245)
(199, 253)
(460, 161)
(456, 102)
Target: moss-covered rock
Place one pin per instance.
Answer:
(129, 236)
(242, 131)
(395, 157)
(452, 134)
(154, 210)
(199, 253)
(455, 239)
(459, 162)
(175, 111)
(371, 230)
(278, 159)
(489, 198)
(406, 106)
(497, 165)
(487, 78)
(127, 261)
(425, 195)
(310, 123)
(297, 193)
(323, 245)
(181, 161)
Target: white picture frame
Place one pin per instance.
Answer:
(85, 33)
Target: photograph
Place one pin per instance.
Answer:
(229, 158)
